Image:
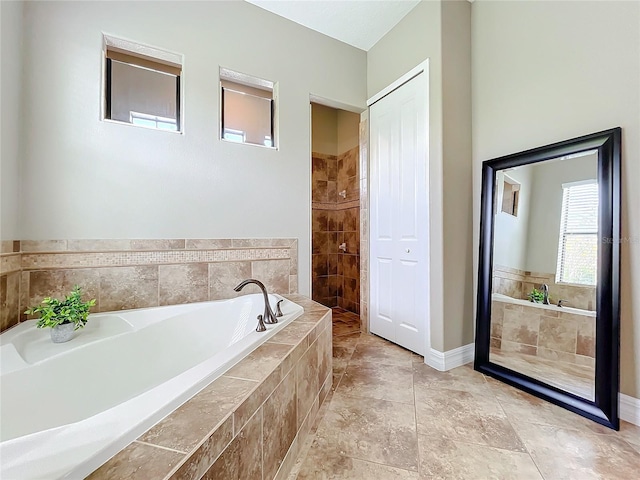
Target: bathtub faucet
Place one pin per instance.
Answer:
(268, 316)
(545, 291)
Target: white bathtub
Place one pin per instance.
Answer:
(67, 408)
(506, 299)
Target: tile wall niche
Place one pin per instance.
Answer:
(336, 220)
(519, 283)
(124, 274)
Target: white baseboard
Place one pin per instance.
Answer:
(629, 409)
(457, 357)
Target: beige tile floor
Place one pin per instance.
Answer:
(390, 417)
(578, 379)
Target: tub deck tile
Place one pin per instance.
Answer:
(187, 426)
(255, 399)
(198, 461)
(306, 303)
(294, 333)
(138, 461)
(261, 362)
(279, 424)
(242, 460)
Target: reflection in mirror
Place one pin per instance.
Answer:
(545, 250)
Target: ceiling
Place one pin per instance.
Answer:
(360, 23)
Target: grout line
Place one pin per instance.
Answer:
(242, 378)
(415, 413)
(161, 447)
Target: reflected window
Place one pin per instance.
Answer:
(578, 245)
(233, 135)
(140, 89)
(247, 109)
(510, 196)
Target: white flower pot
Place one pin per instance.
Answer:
(62, 333)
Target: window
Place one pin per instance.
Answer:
(233, 135)
(152, 121)
(578, 245)
(142, 85)
(510, 196)
(247, 109)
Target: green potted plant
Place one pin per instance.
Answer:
(63, 316)
(536, 296)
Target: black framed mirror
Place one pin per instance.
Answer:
(548, 316)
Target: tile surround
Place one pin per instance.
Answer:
(336, 220)
(247, 424)
(137, 273)
(551, 334)
(10, 284)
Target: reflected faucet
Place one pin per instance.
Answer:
(268, 316)
(545, 291)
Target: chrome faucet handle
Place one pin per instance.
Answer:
(561, 303)
(278, 310)
(260, 327)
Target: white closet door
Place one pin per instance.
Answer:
(399, 223)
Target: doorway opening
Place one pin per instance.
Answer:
(335, 212)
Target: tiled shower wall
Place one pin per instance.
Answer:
(364, 223)
(336, 220)
(123, 274)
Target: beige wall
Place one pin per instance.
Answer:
(511, 232)
(457, 186)
(348, 128)
(549, 71)
(116, 181)
(546, 208)
(440, 32)
(324, 137)
(11, 14)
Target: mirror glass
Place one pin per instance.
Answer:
(545, 252)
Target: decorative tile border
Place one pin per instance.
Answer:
(324, 156)
(140, 273)
(103, 245)
(335, 206)
(32, 261)
(10, 262)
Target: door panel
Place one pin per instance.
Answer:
(399, 216)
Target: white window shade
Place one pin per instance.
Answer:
(578, 244)
(248, 109)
